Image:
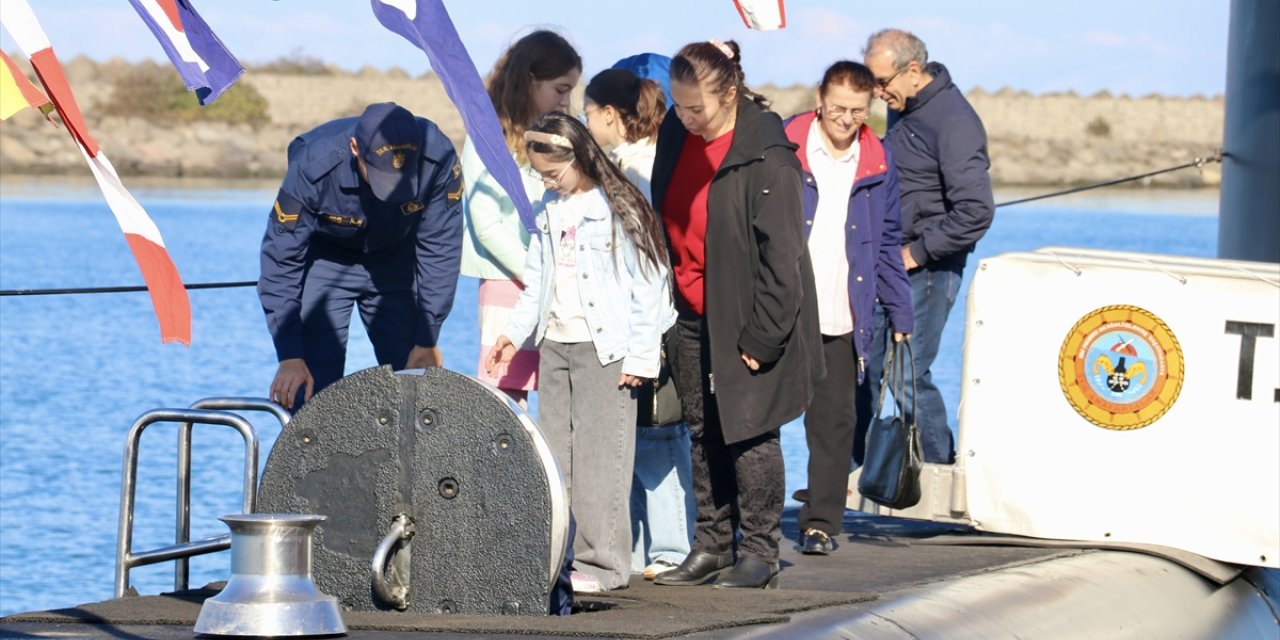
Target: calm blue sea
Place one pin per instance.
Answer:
(75, 371)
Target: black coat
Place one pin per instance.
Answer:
(759, 289)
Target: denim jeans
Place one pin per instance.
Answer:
(661, 496)
(588, 421)
(933, 292)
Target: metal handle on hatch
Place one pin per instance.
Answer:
(402, 528)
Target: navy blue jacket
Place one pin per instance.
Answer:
(941, 149)
(325, 208)
(872, 237)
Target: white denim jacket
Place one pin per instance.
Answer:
(627, 307)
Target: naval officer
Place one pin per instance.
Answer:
(369, 215)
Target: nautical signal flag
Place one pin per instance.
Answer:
(17, 92)
(204, 63)
(426, 25)
(764, 15)
(168, 295)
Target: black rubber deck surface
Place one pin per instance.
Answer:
(874, 555)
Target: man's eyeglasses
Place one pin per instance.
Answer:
(835, 112)
(884, 83)
(554, 183)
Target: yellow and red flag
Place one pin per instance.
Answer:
(168, 295)
(17, 92)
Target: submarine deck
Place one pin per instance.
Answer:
(875, 556)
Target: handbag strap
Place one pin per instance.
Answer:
(885, 378)
(895, 374)
(905, 345)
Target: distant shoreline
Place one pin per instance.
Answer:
(1193, 200)
(1046, 141)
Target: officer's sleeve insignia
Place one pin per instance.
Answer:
(286, 210)
(456, 192)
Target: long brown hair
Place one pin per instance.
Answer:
(705, 64)
(541, 55)
(639, 102)
(631, 212)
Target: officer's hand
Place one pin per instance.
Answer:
(292, 375)
(423, 357)
(899, 336)
(628, 380)
(500, 357)
(751, 362)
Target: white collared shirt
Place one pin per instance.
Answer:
(827, 237)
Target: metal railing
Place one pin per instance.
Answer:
(183, 549)
(181, 569)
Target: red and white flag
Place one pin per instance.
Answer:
(764, 15)
(168, 295)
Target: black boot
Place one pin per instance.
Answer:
(750, 573)
(696, 569)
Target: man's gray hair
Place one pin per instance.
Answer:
(903, 45)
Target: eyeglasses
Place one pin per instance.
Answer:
(883, 84)
(554, 183)
(835, 112)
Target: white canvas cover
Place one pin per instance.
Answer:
(1178, 444)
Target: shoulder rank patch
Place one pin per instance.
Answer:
(412, 207)
(286, 210)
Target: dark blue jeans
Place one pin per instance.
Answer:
(933, 292)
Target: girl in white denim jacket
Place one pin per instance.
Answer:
(597, 298)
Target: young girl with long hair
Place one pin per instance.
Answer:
(596, 301)
(727, 184)
(535, 76)
(623, 113)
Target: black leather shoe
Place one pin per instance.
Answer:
(816, 543)
(696, 569)
(750, 573)
(800, 495)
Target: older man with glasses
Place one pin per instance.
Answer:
(940, 148)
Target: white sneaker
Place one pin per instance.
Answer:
(585, 582)
(658, 567)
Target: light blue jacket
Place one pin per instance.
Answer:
(494, 240)
(627, 307)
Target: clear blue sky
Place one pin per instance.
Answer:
(1125, 46)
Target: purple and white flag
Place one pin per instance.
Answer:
(426, 24)
(204, 63)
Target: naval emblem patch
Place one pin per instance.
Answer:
(1120, 367)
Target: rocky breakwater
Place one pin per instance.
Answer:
(1056, 139)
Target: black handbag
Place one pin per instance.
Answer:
(892, 463)
(658, 402)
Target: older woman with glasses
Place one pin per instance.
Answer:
(854, 232)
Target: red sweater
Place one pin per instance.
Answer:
(684, 213)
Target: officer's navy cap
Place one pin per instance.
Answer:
(389, 139)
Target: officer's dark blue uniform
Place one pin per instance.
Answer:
(391, 243)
